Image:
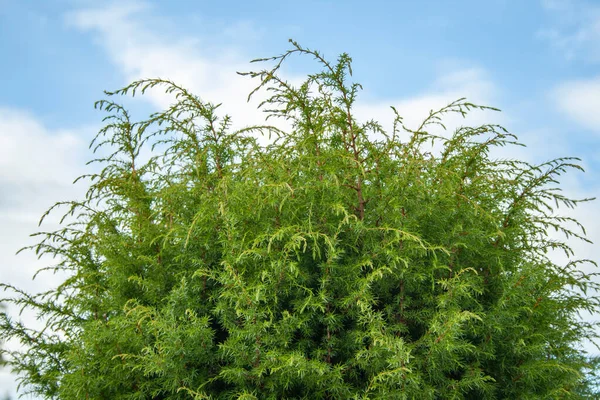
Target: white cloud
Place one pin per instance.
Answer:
(123, 30)
(28, 152)
(580, 101)
(37, 166)
(454, 82)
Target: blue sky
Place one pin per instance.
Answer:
(539, 61)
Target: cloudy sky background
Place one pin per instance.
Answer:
(539, 61)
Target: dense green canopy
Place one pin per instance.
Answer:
(336, 261)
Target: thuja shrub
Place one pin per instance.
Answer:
(335, 261)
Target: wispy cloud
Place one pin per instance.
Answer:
(575, 28)
(127, 32)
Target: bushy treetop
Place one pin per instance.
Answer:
(336, 261)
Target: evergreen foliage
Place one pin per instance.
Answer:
(337, 261)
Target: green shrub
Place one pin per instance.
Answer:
(336, 261)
